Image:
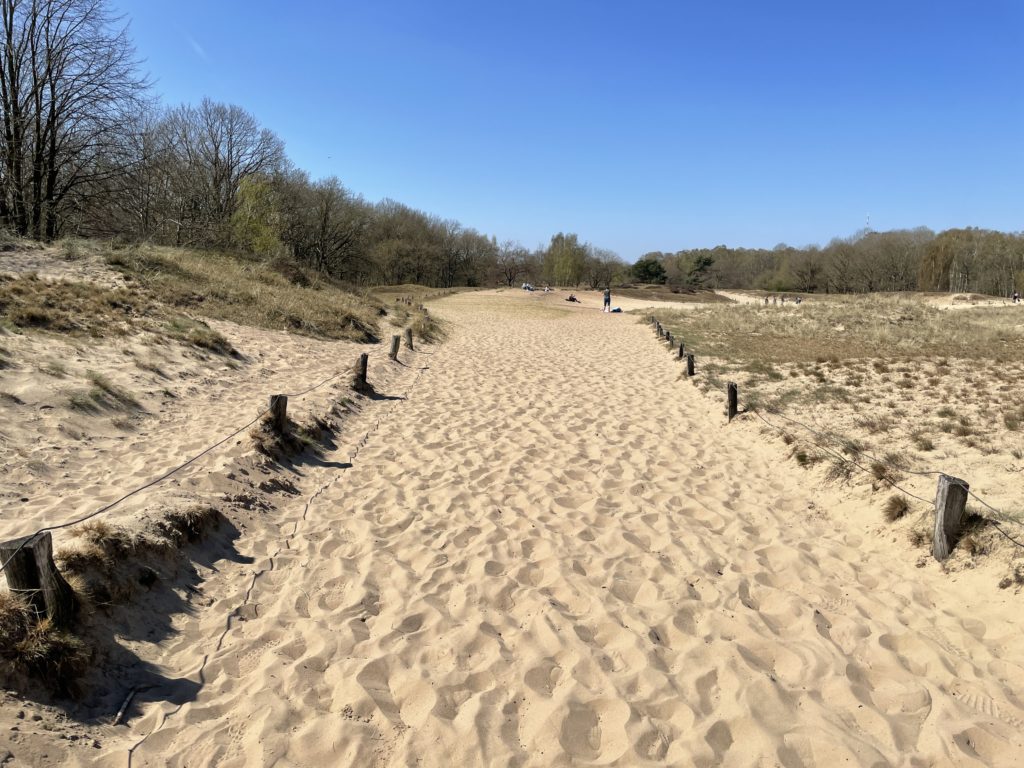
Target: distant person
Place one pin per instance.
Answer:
(766, 301)
(572, 297)
(607, 299)
(1016, 297)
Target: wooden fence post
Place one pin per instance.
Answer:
(950, 503)
(396, 341)
(361, 365)
(279, 412)
(733, 395)
(668, 336)
(408, 338)
(682, 350)
(689, 365)
(32, 572)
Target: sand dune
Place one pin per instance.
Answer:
(553, 552)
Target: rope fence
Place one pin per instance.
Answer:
(27, 562)
(952, 492)
(201, 672)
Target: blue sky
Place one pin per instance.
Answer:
(640, 126)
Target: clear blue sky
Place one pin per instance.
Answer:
(641, 125)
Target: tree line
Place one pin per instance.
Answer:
(956, 260)
(86, 151)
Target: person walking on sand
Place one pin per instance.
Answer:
(608, 299)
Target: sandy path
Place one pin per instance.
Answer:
(552, 554)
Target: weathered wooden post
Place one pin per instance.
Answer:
(279, 412)
(689, 365)
(396, 341)
(733, 395)
(668, 337)
(32, 572)
(950, 504)
(682, 350)
(360, 378)
(408, 339)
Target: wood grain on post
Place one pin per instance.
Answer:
(689, 365)
(733, 395)
(396, 341)
(361, 365)
(950, 504)
(279, 412)
(32, 572)
(408, 339)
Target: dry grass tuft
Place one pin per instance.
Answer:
(839, 471)
(896, 507)
(189, 525)
(274, 444)
(38, 650)
(249, 292)
(111, 562)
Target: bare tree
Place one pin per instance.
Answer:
(216, 147)
(67, 81)
(511, 261)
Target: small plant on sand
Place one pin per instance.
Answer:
(54, 368)
(82, 402)
(923, 442)
(839, 471)
(38, 648)
(106, 393)
(876, 424)
(199, 334)
(150, 365)
(896, 507)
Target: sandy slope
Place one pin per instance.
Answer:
(552, 553)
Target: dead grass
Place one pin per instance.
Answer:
(905, 327)
(37, 650)
(112, 562)
(249, 292)
(54, 368)
(896, 507)
(27, 302)
(894, 370)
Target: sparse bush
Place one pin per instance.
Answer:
(896, 507)
(839, 471)
(876, 424)
(923, 442)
